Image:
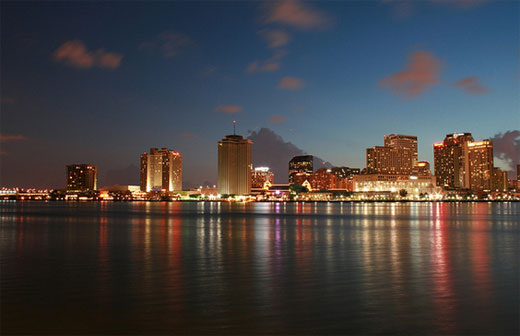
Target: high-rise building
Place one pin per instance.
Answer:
(300, 168)
(260, 176)
(449, 159)
(403, 142)
(479, 164)
(499, 180)
(345, 172)
(161, 170)
(81, 177)
(389, 160)
(234, 165)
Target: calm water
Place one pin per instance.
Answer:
(294, 268)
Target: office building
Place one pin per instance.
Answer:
(300, 168)
(499, 180)
(389, 160)
(234, 165)
(421, 168)
(479, 164)
(262, 177)
(161, 170)
(81, 177)
(408, 142)
(449, 160)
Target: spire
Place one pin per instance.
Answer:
(234, 123)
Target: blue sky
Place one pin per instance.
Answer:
(102, 82)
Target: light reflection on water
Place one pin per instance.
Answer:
(294, 268)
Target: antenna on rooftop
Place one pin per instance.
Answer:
(234, 124)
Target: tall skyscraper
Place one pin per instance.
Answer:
(234, 165)
(400, 141)
(161, 169)
(389, 160)
(449, 159)
(261, 175)
(300, 168)
(81, 177)
(479, 164)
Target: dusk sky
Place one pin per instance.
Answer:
(102, 82)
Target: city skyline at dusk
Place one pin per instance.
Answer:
(101, 83)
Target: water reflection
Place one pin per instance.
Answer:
(260, 267)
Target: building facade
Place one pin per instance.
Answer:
(391, 183)
(479, 164)
(234, 165)
(81, 177)
(449, 160)
(421, 168)
(260, 176)
(408, 142)
(161, 170)
(389, 160)
(300, 168)
(499, 180)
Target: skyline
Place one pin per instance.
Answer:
(313, 73)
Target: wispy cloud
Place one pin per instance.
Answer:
(277, 119)
(295, 14)
(421, 71)
(169, 43)
(271, 64)
(275, 38)
(291, 83)
(400, 9)
(74, 53)
(188, 135)
(230, 109)
(7, 100)
(9, 137)
(471, 85)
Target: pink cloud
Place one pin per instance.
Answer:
(271, 64)
(277, 119)
(460, 3)
(291, 83)
(7, 100)
(188, 135)
(230, 109)
(296, 14)
(7, 137)
(74, 53)
(471, 85)
(275, 38)
(421, 72)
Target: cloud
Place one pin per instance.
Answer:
(291, 83)
(295, 14)
(74, 53)
(271, 150)
(230, 109)
(7, 137)
(169, 43)
(275, 38)
(506, 147)
(271, 64)
(188, 135)
(7, 100)
(400, 9)
(277, 119)
(421, 72)
(471, 85)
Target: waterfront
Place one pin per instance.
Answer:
(285, 268)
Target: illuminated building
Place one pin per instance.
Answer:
(479, 164)
(414, 185)
(499, 180)
(345, 177)
(449, 159)
(408, 142)
(300, 168)
(389, 160)
(161, 170)
(260, 176)
(234, 165)
(81, 177)
(323, 179)
(421, 168)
